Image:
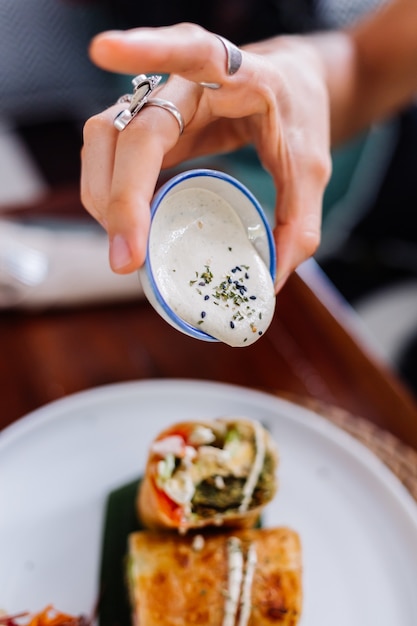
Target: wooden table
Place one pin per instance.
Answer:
(314, 349)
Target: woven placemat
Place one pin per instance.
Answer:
(400, 458)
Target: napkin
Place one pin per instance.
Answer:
(61, 263)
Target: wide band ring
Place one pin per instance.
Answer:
(233, 61)
(168, 106)
(233, 56)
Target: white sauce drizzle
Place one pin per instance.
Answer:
(246, 596)
(234, 583)
(207, 267)
(256, 469)
(240, 580)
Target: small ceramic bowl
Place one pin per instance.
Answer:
(248, 210)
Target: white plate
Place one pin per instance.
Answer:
(357, 523)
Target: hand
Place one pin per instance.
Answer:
(276, 101)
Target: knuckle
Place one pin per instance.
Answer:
(190, 29)
(94, 126)
(323, 167)
(123, 206)
(310, 241)
(310, 231)
(318, 164)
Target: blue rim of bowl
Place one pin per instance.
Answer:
(187, 328)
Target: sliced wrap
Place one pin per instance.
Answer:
(246, 577)
(208, 473)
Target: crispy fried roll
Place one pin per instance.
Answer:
(248, 577)
(208, 473)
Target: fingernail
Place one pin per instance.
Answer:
(109, 34)
(120, 255)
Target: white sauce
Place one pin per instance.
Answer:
(256, 469)
(234, 583)
(239, 584)
(246, 596)
(208, 270)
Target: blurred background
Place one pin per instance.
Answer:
(53, 254)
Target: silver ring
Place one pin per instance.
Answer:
(168, 106)
(233, 61)
(143, 86)
(233, 54)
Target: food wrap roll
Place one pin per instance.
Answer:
(246, 577)
(208, 473)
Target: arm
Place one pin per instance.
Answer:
(371, 68)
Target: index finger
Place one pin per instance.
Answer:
(165, 50)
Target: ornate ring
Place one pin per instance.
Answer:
(233, 60)
(143, 86)
(168, 106)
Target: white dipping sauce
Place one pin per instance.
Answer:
(208, 270)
